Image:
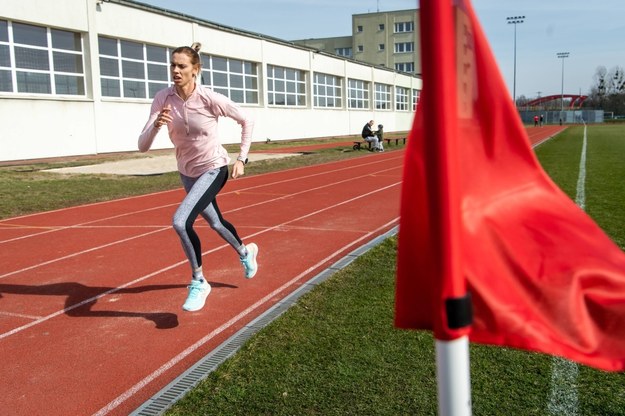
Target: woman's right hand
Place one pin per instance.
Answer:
(163, 117)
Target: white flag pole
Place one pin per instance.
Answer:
(453, 377)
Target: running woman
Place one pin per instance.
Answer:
(190, 111)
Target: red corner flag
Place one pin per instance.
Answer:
(478, 214)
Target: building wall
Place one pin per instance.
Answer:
(372, 36)
(45, 125)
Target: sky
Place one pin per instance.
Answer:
(592, 32)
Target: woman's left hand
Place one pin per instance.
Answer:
(238, 169)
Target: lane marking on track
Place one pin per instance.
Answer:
(79, 253)
(25, 226)
(19, 315)
(249, 206)
(172, 266)
(69, 227)
(221, 195)
(141, 384)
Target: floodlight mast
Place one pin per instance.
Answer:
(514, 20)
(562, 55)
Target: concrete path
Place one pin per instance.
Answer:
(151, 165)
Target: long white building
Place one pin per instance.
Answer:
(78, 78)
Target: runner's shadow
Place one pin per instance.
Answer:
(80, 299)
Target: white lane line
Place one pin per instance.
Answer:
(7, 221)
(78, 253)
(19, 315)
(141, 384)
(140, 279)
(249, 206)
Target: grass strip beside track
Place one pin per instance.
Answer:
(27, 188)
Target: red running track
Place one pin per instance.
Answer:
(90, 296)
(90, 307)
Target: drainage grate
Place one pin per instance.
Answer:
(175, 390)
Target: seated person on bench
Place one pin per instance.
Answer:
(369, 136)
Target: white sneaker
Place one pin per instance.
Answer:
(198, 292)
(249, 262)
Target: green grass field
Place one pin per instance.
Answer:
(335, 352)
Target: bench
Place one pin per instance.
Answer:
(361, 143)
(397, 139)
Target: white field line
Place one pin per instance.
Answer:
(580, 198)
(142, 278)
(563, 398)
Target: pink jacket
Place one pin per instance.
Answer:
(193, 130)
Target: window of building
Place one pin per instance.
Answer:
(404, 47)
(381, 27)
(381, 47)
(361, 48)
(416, 94)
(286, 86)
(401, 98)
(233, 78)
(40, 60)
(359, 29)
(132, 69)
(404, 66)
(347, 52)
(327, 91)
(404, 27)
(382, 96)
(358, 94)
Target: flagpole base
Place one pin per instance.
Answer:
(453, 377)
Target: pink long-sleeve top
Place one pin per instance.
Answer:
(193, 130)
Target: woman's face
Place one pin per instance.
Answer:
(182, 70)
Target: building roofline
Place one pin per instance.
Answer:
(171, 13)
(166, 12)
(387, 12)
(328, 38)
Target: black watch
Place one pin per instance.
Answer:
(242, 160)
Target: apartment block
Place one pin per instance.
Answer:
(386, 39)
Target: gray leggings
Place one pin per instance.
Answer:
(201, 200)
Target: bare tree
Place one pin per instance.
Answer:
(608, 91)
(522, 100)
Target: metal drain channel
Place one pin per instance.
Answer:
(175, 390)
